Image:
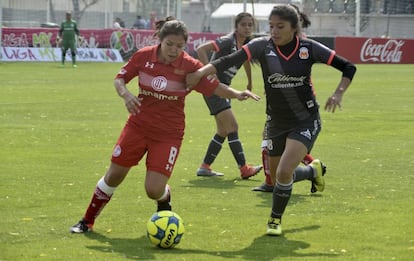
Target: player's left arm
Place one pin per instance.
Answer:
(248, 69)
(76, 29)
(225, 91)
(348, 70)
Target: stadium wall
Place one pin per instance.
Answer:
(127, 41)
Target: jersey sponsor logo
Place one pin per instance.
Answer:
(159, 96)
(280, 81)
(159, 83)
(306, 134)
(149, 65)
(117, 151)
(303, 53)
(271, 53)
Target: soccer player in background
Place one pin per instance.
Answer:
(293, 118)
(155, 126)
(68, 33)
(219, 107)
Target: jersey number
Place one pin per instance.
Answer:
(171, 158)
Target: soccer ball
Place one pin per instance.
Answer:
(165, 229)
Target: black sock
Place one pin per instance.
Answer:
(236, 148)
(281, 196)
(213, 149)
(302, 173)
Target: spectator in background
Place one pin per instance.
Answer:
(119, 23)
(152, 21)
(139, 23)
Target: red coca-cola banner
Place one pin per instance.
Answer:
(126, 41)
(375, 50)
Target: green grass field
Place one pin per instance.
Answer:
(58, 127)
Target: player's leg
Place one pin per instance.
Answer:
(161, 158)
(284, 167)
(267, 185)
(157, 189)
(73, 54)
(103, 192)
(129, 150)
(227, 125)
(217, 105)
(64, 50)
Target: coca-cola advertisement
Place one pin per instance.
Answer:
(376, 50)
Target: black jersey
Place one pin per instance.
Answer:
(290, 97)
(225, 45)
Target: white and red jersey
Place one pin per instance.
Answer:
(163, 91)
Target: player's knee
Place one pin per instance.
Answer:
(154, 192)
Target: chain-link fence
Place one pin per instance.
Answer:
(371, 18)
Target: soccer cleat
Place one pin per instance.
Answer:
(263, 188)
(81, 227)
(318, 182)
(165, 204)
(313, 188)
(274, 227)
(207, 172)
(248, 171)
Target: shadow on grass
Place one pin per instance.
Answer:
(262, 248)
(267, 198)
(221, 182)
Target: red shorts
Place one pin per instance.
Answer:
(133, 144)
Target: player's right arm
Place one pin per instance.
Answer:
(126, 74)
(204, 50)
(220, 64)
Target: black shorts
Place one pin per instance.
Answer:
(306, 132)
(217, 104)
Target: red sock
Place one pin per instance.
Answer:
(266, 169)
(307, 159)
(98, 202)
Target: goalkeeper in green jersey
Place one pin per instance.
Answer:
(68, 34)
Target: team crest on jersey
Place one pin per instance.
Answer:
(303, 53)
(159, 83)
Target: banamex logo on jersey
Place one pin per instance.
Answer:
(159, 83)
(386, 52)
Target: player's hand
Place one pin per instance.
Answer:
(132, 103)
(58, 41)
(333, 102)
(244, 95)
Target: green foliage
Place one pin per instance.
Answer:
(58, 126)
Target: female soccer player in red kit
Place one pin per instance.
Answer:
(155, 126)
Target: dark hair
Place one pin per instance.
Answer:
(304, 19)
(242, 15)
(288, 13)
(169, 26)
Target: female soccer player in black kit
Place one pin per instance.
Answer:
(221, 107)
(293, 119)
